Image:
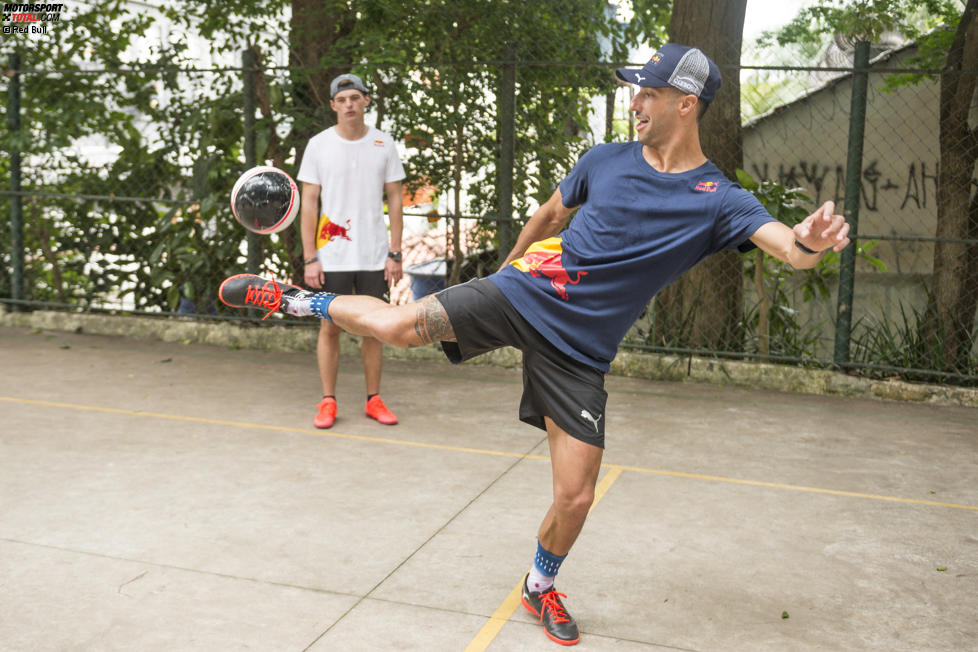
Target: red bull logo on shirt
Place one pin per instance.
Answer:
(329, 230)
(543, 259)
(707, 186)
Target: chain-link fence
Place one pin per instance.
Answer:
(118, 180)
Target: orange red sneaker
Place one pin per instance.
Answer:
(325, 413)
(548, 607)
(377, 410)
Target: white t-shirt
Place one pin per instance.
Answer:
(351, 233)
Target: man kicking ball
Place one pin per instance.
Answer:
(648, 211)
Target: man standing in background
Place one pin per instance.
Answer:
(346, 170)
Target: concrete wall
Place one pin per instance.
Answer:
(804, 144)
(302, 337)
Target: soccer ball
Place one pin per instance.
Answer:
(265, 200)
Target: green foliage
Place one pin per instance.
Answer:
(66, 239)
(89, 244)
(898, 347)
(766, 90)
(864, 20)
(642, 22)
(231, 25)
(930, 23)
(787, 336)
(441, 99)
(169, 133)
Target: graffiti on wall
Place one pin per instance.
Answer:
(916, 190)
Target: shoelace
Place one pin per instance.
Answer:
(551, 600)
(268, 296)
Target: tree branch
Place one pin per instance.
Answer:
(265, 104)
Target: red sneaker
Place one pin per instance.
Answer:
(325, 413)
(377, 410)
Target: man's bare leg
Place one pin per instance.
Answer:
(575, 467)
(372, 353)
(328, 356)
(413, 324)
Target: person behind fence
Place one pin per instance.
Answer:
(346, 170)
(647, 212)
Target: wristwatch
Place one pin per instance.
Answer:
(394, 255)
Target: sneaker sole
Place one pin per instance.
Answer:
(560, 641)
(529, 608)
(379, 420)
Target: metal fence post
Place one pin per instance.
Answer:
(249, 64)
(854, 168)
(16, 200)
(506, 125)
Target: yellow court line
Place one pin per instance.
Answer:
(260, 426)
(484, 451)
(793, 487)
(505, 610)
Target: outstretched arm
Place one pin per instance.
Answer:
(393, 272)
(545, 223)
(309, 215)
(819, 232)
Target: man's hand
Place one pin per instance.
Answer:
(823, 230)
(393, 272)
(313, 275)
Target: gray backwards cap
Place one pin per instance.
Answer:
(679, 66)
(349, 82)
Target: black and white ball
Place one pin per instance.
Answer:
(265, 200)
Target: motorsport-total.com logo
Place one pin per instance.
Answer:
(29, 18)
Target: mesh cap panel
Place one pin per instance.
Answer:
(691, 73)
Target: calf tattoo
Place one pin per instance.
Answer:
(432, 323)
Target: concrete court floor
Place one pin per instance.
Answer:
(159, 496)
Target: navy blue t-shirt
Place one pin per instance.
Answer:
(636, 231)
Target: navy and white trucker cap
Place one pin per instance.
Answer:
(679, 66)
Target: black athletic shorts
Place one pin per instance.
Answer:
(554, 384)
(370, 283)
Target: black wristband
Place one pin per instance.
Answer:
(805, 249)
(309, 261)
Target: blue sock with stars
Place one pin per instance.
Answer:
(544, 570)
(302, 303)
(319, 304)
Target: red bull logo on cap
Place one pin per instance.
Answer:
(329, 230)
(543, 259)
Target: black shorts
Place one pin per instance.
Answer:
(370, 283)
(554, 384)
